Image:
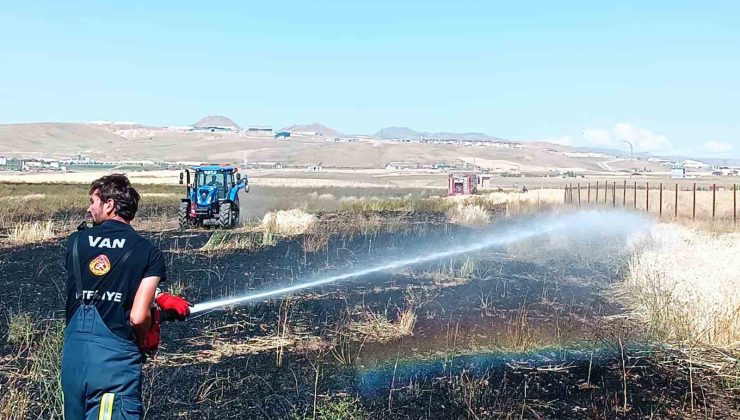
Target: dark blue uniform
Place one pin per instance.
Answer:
(101, 363)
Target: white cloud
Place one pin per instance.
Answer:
(597, 137)
(643, 139)
(718, 147)
(564, 140)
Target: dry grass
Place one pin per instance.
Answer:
(406, 322)
(377, 327)
(469, 269)
(160, 195)
(20, 329)
(224, 241)
(12, 198)
(287, 222)
(685, 285)
(37, 370)
(452, 273)
(15, 400)
(31, 232)
(519, 332)
(217, 349)
(316, 240)
(68, 202)
(514, 201)
(397, 204)
(46, 370)
(468, 214)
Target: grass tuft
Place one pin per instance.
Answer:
(46, 370)
(20, 329)
(287, 222)
(377, 327)
(31, 232)
(468, 214)
(15, 399)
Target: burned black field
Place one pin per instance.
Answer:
(530, 330)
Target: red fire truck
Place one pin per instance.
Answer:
(462, 184)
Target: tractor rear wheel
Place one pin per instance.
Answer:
(182, 215)
(224, 216)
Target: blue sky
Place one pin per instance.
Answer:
(663, 74)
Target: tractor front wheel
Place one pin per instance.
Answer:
(224, 216)
(182, 215)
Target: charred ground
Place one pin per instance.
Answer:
(510, 332)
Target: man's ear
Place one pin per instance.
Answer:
(110, 206)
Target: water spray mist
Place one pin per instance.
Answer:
(578, 222)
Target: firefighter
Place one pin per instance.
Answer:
(113, 307)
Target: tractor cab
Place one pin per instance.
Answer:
(212, 196)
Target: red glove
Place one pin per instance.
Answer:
(150, 343)
(174, 305)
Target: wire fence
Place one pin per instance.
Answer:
(677, 200)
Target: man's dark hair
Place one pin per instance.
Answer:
(117, 187)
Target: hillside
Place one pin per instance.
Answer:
(405, 133)
(216, 121)
(322, 130)
(43, 139)
(110, 143)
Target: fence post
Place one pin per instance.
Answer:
(714, 200)
(624, 193)
(606, 190)
(614, 194)
(734, 203)
(571, 192)
(660, 200)
(579, 194)
(597, 193)
(693, 211)
(588, 191)
(675, 204)
(634, 200)
(647, 197)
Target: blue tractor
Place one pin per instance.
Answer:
(212, 196)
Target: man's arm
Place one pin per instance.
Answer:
(140, 317)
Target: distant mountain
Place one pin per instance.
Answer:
(216, 121)
(390, 133)
(669, 157)
(462, 136)
(708, 160)
(405, 133)
(322, 130)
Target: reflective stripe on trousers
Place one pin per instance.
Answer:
(101, 372)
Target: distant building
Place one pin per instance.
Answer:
(214, 129)
(282, 135)
(401, 165)
(678, 171)
(259, 129)
(266, 165)
(3, 160)
(314, 168)
(180, 128)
